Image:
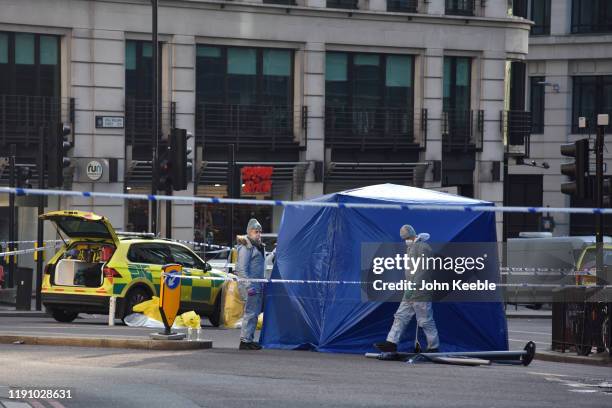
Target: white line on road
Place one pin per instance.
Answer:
(536, 342)
(528, 332)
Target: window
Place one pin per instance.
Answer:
(460, 7)
(244, 76)
(519, 8)
(536, 104)
(29, 64)
(284, 2)
(185, 258)
(592, 95)
(155, 254)
(361, 80)
(402, 6)
(342, 4)
(139, 69)
(457, 83)
(591, 16)
(540, 14)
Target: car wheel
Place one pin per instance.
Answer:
(134, 297)
(63, 316)
(215, 317)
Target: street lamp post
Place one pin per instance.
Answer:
(154, 133)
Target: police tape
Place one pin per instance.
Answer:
(311, 204)
(343, 282)
(28, 251)
(29, 242)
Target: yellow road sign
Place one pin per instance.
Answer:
(170, 294)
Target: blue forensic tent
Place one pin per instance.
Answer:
(318, 243)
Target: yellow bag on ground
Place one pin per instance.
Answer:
(188, 319)
(149, 308)
(232, 305)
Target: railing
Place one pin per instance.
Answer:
(271, 127)
(516, 128)
(402, 6)
(139, 124)
(343, 4)
(462, 129)
(374, 128)
(282, 2)
(460, 7)
(21, 116)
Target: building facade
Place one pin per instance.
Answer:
(569, 75)
(332, 94)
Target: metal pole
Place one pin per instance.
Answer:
(599, 144)
(231, 190)
(12, 235)
(169, 214)
(154, 133)
(41, 210)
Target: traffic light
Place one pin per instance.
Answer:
(58, 155)
(164, 166)
(578, 170)
(180, 164)
(607, 192)
(24, 177)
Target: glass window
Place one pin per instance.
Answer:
(4, 41)
(405, 6)
(591, 16)
(24, 49)
(242, 76)
(457, 80)
(155, 254)
(130, 55)
(399, 71)
(241, 61)
(276, 62)
(147, 50)
(592, 95)
(48, 50)
(536, 104)
(367, 80)
(540, 14)
(185, 258)
(460, 7)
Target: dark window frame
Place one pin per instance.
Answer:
(544, 27)
(453, 96)
(343, 4)
(577, 96)
(143, 79)
(402, 6)
(596, 20)
(9, 72)
(382, 75)
(281, 2)
(537, 109)
(258, 73)
(459, 7)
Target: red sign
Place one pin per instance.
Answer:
(257, 180)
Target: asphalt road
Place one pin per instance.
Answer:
(226, 377)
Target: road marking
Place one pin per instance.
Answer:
(14, 404)
(536, 342)
(552, 375)
(528, 332)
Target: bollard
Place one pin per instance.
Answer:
(112, 306)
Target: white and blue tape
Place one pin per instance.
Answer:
(320, 204)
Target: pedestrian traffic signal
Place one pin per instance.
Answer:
(181, 164)
(24, 177)
(607, 192)
(58, 158)
(578, 170)
(164, 166)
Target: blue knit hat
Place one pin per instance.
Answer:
(253, 224)
(407, 232)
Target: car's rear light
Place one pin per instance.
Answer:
(110, 273)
